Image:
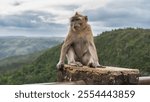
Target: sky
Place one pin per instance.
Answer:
(51, 17)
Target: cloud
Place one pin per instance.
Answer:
(16, 3)
(54, 6)
(121, 14)
(31, 23)
(45, 17)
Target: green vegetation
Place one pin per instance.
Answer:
(16, 62)
(19, 45)
(41, 70)
(123, 48)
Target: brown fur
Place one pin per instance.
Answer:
(79, 47)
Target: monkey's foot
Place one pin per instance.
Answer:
(78, 64)
(94, 65)
(100, 66)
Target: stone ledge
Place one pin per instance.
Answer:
(99, 76)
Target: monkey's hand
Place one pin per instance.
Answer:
(60, 65)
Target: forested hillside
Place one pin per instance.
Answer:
(20, 45)
(15, 62)
(123, 47)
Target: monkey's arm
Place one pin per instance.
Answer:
(65, 48)
(93, 51)
(92, 48)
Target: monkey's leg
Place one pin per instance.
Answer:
(71, 58)
(88, 60)
(94, 64)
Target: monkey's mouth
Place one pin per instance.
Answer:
(76, 27)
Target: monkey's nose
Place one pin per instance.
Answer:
(77, 26)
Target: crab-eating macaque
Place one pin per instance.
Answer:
(79, 47)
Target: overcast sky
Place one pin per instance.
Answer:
(51, 17)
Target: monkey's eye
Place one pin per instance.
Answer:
(77, 19)
(80, 23)
(72, 20)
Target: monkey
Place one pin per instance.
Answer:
(78, 46)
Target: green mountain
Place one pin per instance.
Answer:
(16, 62)
(19, 45)
(123, 48)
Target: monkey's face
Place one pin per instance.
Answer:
(78, 22)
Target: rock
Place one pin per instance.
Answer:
(99, 76)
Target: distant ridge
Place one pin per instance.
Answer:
(21, 45)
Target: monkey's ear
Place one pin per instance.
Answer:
(76, 13)
(86, 18)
